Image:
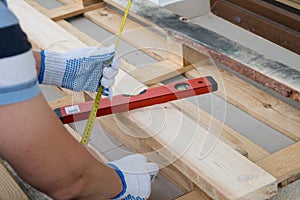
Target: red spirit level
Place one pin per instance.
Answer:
(148, 97)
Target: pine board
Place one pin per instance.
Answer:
(256, 102)
(254, 152)
(71, 10)
(9, 189)
(221, 178)
(283, 164)
(264, 106)
(273, 74)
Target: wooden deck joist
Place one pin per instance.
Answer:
(275, 75)
(235, 185)
(282, 108)
(264, 18)
(263, 106)
(65, 41)
(9, 188)
(267, 108)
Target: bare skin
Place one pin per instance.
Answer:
(44, 154)
(38, 60)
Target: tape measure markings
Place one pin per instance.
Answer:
(89, 126)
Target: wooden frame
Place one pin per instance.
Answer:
(288, 165)
(268, 19)
(277, 76)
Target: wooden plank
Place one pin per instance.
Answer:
(77, 33)
(37, 6)
(9, 188)
(194, 195)
(283, 164)
(71, 43)
(139, 145)
(67, 100)
(62, 41)
(71, 10)
(149, 74)
(260, 25)
(272, 12)
(263, 95)
(294, 3)
(169, 172)
(155, 73)
(87, 2)
(89, 147)
(228, 135)
(178, 137)
(223, 173)
(255, 152)
(262, 104)
(273, 74)
(254, 101)
(133, 33)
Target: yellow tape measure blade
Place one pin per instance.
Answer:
(90, 123)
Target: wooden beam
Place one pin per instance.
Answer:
(87, 2)
(133, 32)
(270, 73)
(185, 184)
(228, 135)
(174, 139)
(272, 12)
(194, 195)
(253, 22)
(221, 173)
(9, 188)
(255, 153)
(283, 164)
(139, 145)
(67, 100)
(71, 10)
(294, 3)
(254, 101)
(161, 71)
(265, 107)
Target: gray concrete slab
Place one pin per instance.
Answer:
(190, 8)
(289, 192)
(248, 39)
(125, 50)
(49, 4)
(100, 139)
(253, 129)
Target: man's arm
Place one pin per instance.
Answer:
(38, 61)
(43, 153)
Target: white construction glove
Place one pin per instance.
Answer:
(80, 69)
(136, 175)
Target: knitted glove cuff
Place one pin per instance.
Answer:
(122, 177)
(56, 66)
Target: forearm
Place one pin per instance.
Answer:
(38, 61)
(48, 157)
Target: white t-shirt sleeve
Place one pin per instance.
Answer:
(18, 79)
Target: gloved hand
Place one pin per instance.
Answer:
(136, 175)
(80, 69)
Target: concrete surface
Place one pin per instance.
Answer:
(238, 120)
(195, 8)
